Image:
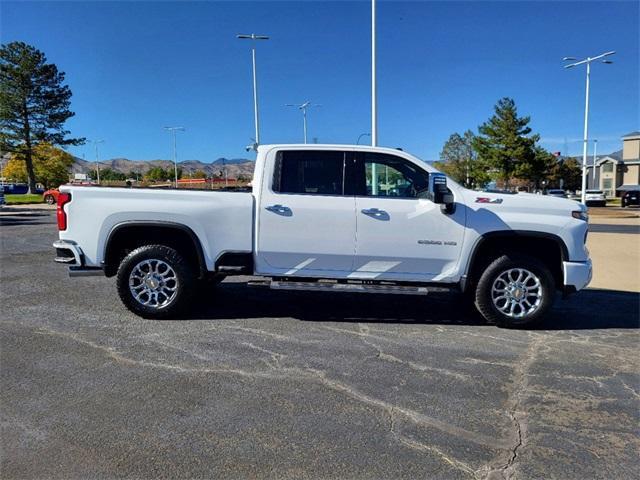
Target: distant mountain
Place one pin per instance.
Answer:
(231, 161)
(234, 167)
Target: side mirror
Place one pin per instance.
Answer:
(439, 193)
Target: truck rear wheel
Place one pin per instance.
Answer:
(515, 291)
(155, 281)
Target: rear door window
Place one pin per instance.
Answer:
(308, 172)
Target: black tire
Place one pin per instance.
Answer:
(541, 283)
(150, 259)
(50, 199)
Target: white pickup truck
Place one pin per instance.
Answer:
(330, 217)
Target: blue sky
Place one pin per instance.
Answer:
(135, 67)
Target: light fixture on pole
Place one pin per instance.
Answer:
(95, 144)
(362, 135)
(173, 131)
(253, 36)
(585, 140)
(303, 107)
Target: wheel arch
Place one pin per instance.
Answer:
(546, 247)
(129, 235)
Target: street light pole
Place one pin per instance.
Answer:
(173, 131)
(595, 157)
(253, 36)
(304, 107)
(585, 139)
(374, 93)
(95, 144)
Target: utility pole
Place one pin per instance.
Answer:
(585, 139)
(253, 36)
(173, 131)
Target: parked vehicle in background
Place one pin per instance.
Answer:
(630, 197)
(595, 198)
(556, 192)
(51, 196)
(341, 218)
(19, 188)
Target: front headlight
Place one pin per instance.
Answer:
(580, 215)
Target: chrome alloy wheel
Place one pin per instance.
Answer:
(516, 293)
(153, 283)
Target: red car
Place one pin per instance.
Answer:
(51, 196)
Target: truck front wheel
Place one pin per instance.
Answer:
(155, 281)
(515, 291)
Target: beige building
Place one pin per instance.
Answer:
(618, 171)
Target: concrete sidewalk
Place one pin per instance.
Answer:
(616, 258)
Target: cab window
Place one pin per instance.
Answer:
(309, 172)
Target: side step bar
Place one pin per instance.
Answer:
(324, 286)
(76, 271)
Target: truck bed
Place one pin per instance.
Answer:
(222, 220)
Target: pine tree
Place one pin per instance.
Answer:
(503, 142)
(34, 104)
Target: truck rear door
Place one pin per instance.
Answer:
(306, 223)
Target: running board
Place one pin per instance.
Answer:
(324, 286)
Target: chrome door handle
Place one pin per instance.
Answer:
(279, 209)
(374, 212)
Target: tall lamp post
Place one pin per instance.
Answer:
(585, 140)
(595, 158)
(303, 107)
(173, 131)
(374, 92)
(253, 36)
(95, 144)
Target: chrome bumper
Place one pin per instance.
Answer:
(69, 253)
(577, 275)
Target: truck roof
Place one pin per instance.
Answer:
(329, 146)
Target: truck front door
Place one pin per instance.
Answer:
(306, 223)
(401, 235)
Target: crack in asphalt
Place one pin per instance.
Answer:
(424, 448)
(520, 384)
(363, 333)
(275, 356)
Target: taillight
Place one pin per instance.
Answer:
(63, 199)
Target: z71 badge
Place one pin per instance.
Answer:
(488, 200)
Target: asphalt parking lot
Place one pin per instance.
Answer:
(261, 384)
